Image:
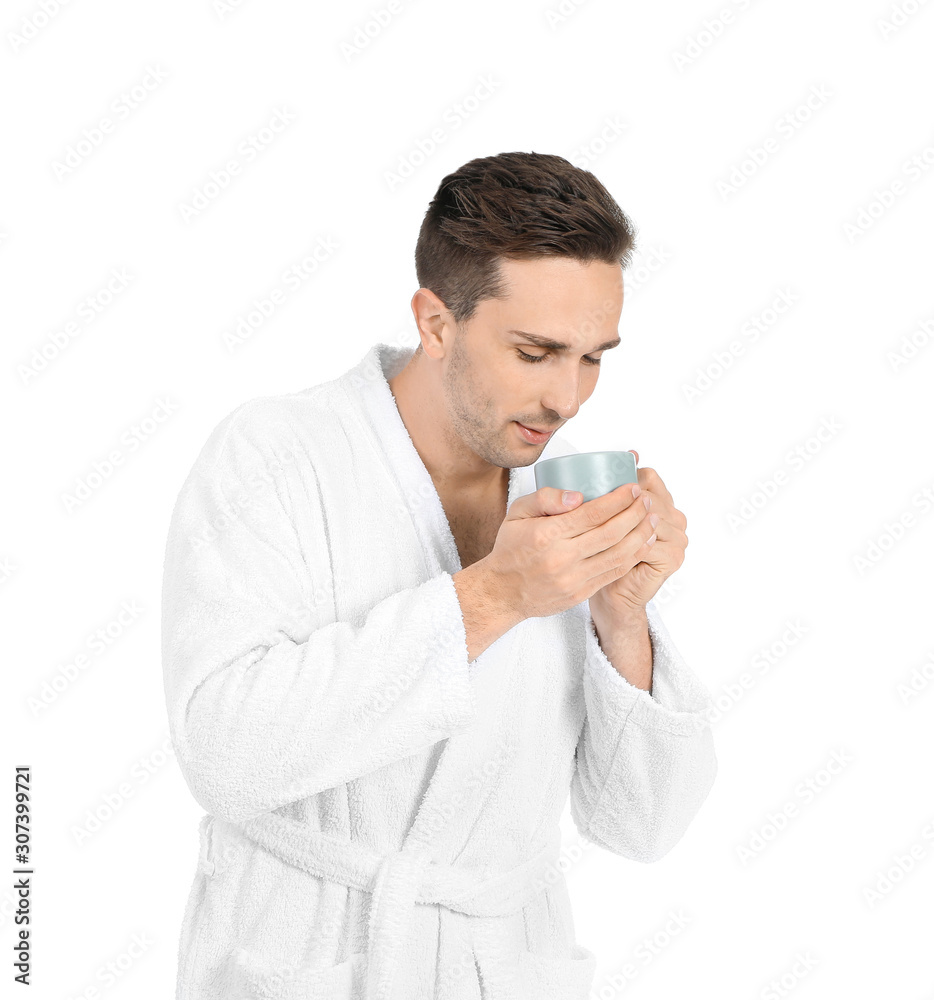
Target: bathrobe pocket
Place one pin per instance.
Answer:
(543, 977)
(259, 981)
(264, 926)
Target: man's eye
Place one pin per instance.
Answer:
(534, 358)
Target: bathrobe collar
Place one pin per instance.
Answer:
(367, 384)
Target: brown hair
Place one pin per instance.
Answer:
(519, 206)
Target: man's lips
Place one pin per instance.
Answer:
(537, 430)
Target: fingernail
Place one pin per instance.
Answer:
(636, 490)
(569, 498)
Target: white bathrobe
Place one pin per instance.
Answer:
(382, 816)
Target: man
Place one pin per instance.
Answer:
(389, 660)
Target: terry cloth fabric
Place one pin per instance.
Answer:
(382, 815)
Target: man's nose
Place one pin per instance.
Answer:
(563, 395)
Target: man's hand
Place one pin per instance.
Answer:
(657, 561)
(549, 556)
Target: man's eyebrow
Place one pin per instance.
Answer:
(556, 345)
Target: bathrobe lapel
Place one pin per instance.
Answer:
(484, 748)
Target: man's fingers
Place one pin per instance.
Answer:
(599, 510)
(545, 501)
(618, 557)
(651, 482)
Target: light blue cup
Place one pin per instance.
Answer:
(592, 473)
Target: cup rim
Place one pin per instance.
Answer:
(581, 454)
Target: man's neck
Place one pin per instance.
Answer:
(454, 471)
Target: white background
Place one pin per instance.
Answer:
(789, 525)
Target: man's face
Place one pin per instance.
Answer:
(490, 384)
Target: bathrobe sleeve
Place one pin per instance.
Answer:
(644, 762)
(270, 701)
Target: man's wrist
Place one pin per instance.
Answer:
(623, 634)
(487, 610)
(624, 616)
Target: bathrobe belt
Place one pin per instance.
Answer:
(400, 879)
